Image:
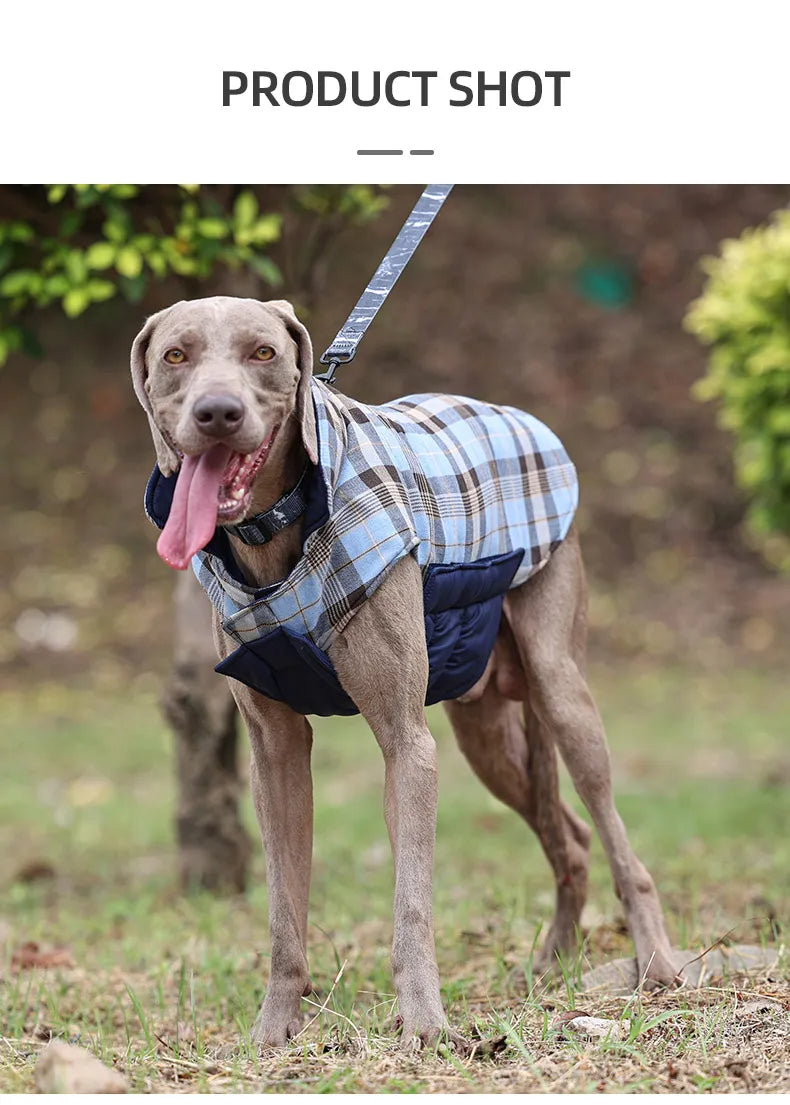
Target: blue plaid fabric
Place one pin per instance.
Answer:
(449, 479)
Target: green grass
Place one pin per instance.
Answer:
(160, 982)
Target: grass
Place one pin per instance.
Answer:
(160, 983)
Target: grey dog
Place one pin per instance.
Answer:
(226, 369)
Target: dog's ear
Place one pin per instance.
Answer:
(304, 398)
(166, 457)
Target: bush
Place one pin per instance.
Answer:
(744, 315)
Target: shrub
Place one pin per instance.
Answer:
(743, 314)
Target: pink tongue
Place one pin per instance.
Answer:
(193, 514)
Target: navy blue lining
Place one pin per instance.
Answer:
(463, 607)
(289, 668)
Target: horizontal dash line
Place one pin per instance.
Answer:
(379, 152)
(423, 153)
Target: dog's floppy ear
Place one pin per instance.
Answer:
(304, 397)
(166, 457)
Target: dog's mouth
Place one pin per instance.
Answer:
(235, 489)
(214, 488)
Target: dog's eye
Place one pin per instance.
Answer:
(262, 353)
(175, 356)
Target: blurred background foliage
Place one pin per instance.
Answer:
(82, 244)
(744, 315)
(568, 301)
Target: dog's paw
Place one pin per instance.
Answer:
(659, 973)
(276, 1024)
(268, 1034)
(440, 1038)
(262, 1040)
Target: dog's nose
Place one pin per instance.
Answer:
(218, 415)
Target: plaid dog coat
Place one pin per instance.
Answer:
(480, 495)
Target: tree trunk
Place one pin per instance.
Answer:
(214, 848)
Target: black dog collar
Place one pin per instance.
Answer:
(262, 527)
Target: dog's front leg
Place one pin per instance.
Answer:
(410, 799)
(382, 663)
(282, 792)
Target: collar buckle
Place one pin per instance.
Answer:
(262, 527)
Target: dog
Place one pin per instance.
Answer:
(239, 426)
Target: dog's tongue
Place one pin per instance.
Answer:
(193, 513)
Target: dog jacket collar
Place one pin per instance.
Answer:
(479, 494)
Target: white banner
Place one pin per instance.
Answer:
(490, 91)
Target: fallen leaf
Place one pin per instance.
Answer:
(30, 955)
(35, 870)
(562, 1019)
(484, 1047)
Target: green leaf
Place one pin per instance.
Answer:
(101, 255)
(115, 229)
(75, 301)
(266, 268)
(245, 210)
(144, 242)
(212, 228)
(87, 196)
(99, 290)
(19, 282)
(266, 229)
(71, 223)
(56, 192)
(157, 262)
(129, 262)
(21, 232)
(14, 337)
(76, 266)
(56, 286)
(123, 191)
(184, 265)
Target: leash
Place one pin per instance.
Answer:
(261, 528)
(344, 347)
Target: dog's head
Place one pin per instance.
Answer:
(218, 378)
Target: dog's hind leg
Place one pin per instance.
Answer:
(518, 764)
(548, 618)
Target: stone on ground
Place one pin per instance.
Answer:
(620, 976)
(63, 1068)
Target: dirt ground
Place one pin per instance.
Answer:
(158, 985)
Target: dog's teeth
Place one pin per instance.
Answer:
(238, 493)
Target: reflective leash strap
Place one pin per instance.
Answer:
(343, 348)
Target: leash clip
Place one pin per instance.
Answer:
(328, 376)
(338, 353)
